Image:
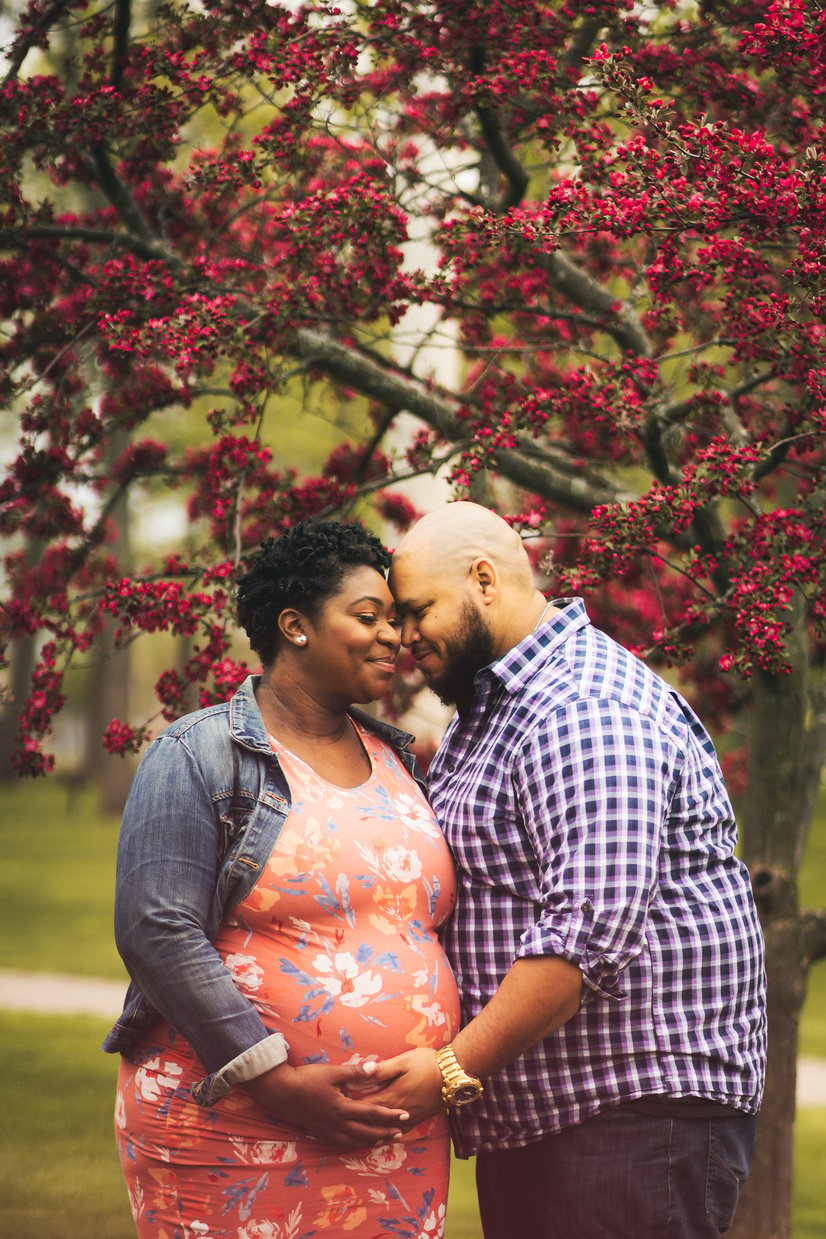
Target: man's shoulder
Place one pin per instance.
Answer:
(589, 672)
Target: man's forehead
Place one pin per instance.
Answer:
(411, 578)
(403, 573)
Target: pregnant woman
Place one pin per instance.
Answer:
(280, 882)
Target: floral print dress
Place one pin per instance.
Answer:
(336, 946)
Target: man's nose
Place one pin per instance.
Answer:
(409, 631)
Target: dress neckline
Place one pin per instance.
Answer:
(280, 747)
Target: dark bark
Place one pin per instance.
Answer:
(22, 655)
(22, 658)
(109, 694)
(775, 819)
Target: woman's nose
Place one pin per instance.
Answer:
(390, 635)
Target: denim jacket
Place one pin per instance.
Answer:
(206, 807)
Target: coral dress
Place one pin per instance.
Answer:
(336, 947)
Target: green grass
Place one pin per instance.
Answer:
(58, 1104)
(59, 1173)
(56, 887)
(813, 894)
(462, 1209)
(60, 1177)
(56, 881)
(809, 1217)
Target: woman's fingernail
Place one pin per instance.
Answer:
(369, 1068)
(403, 1116)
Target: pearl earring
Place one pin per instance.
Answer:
(301, 639)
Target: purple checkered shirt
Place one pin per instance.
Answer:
(588, 818)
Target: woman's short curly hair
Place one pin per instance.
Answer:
(302, 568)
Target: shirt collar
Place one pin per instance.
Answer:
(516, 668)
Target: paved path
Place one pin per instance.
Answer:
(51, 991)
(46, 992)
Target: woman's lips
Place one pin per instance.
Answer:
(385, 664)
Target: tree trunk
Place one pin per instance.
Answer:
(775, 821)
(108, 698)
(22, 659)
(109, 695)
(766, 1204)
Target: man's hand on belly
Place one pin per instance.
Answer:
(411, 1081)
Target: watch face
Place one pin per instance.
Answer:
(464, 1093)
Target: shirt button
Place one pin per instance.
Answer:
(451, 769)
(586, 906)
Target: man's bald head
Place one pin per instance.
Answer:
(451, 539)
(465, 593)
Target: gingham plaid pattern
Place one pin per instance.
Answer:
(586, 811)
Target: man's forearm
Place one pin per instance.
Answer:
(537, 996)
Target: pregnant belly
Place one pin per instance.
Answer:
(351, 1000)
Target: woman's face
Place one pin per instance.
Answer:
(352, 646)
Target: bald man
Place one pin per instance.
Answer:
(605, 939)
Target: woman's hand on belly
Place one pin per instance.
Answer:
(411, 1081)
(314, 1099)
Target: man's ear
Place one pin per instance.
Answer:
(485, 576)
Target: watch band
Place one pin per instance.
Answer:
(459, 1088)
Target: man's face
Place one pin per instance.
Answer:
(446, 632)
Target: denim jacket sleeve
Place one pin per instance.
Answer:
(169, 858)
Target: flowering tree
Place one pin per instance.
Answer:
(623, 210)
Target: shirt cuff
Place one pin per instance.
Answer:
(599, 972)
(251, 1063)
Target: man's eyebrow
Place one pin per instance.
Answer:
(412, 604)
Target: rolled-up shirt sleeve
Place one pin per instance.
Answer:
(594, 783)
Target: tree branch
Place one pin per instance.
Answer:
(814, 935)
(148, 249)
(582, 42)
(120, 41)
(504, 158)
(117, 193)
(398, 391)
(30, 37)
(673, 414)
(622, 324)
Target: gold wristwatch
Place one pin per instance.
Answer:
(459, 1088)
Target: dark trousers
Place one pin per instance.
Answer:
(620, 1175)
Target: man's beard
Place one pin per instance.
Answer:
(465, 653)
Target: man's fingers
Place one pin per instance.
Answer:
(385, 1073)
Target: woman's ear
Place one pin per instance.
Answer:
(292, 627)
(485, 576)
